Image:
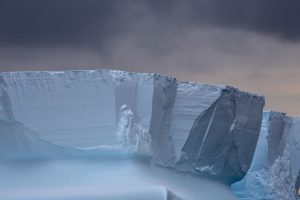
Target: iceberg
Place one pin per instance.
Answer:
(194, 128)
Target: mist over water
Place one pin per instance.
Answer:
(102, 179)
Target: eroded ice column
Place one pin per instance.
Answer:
(162, 105)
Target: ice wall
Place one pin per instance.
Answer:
(192, 127)
(294, 142)
(18, 142)
(191, 100)
(222, 140)
(163, 100)
(82, 109)
(5, 105)
(275, 167)
(63, 106)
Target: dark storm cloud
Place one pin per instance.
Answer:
(39, 22)
(251, 44)
(95, 23)
(278, 17)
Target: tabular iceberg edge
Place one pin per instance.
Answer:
(196, 128)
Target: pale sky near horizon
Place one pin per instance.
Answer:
(253, 45)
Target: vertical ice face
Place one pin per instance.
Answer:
(82, 108)
(64, 106)
(19, 142)
(222, 140)
(132, 137)
(198, 128)
(260, 158)
(277, 122)
(191, 100)
(5, 106)
(162, 105)
(133, 100)
(275, 167)
(294, 141)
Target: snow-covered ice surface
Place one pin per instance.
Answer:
(191, 130)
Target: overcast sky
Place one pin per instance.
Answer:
(250, 44)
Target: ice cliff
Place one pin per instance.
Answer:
(204, 129)
(274, 172)
(222, 139)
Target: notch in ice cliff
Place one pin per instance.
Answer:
(182, 125)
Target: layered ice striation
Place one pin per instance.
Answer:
(191, 127)
(274, 173)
